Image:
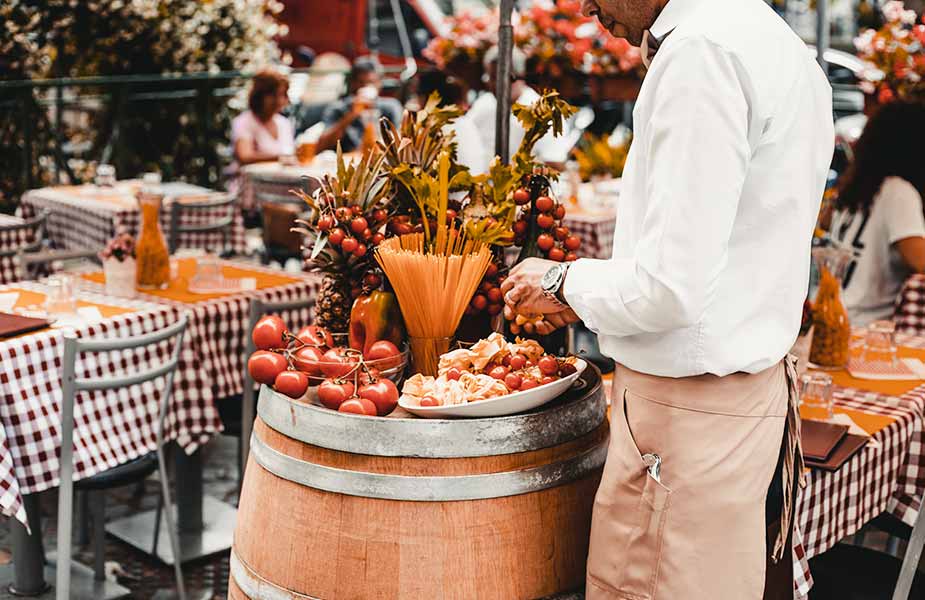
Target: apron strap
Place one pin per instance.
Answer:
(793, 457)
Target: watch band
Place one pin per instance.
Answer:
(559, 291)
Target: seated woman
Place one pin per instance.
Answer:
(261, 133)
(879, 211)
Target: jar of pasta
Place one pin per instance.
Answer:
(831, 327)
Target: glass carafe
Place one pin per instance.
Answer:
(151, 248)
(831, 327)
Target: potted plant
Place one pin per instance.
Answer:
(119, 265)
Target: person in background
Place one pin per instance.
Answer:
(879, 211)
(261, 133)
(344, 119)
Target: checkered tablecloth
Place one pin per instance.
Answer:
(272, 181)
(909, 313)
(595, 231)
(876, 480)
(78, 220)
(12, 240)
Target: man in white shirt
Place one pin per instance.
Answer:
(701, 302)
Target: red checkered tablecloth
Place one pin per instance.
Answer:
(272, 181)
(595, 231)
(12, 240)
(876, 480)
(80, 217)
(909, 313)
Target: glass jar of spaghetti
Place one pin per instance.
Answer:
(151, 255)
(831, 327)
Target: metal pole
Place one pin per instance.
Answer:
(823, 31)
(503, 81)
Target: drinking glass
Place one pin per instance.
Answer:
(105, 175)
(816, 396)
(60, 299)
(879, 343)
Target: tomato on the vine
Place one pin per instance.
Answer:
(544, 204)
(358, 224)
(265, 366)
(336, 237)
(269, 333)
(383, 393)
(359, 406)
(557, 254)
(338, 362)
(308, 359)
(545, 221)
(333, 393)
(521, 196)
(291, 383)
(315, 336)
(545, 242)
(349, 244)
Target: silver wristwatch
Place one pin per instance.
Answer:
(552, 282)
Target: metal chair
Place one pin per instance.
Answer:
(35, 224)
(848, 572)
(26, 261)
(223, 224)
(124, 474)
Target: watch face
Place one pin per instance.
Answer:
(551, 278)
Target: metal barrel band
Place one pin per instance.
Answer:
(434, 438)
(256, 587)
(429, 489)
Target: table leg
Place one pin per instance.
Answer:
(28, 552)
(189, 490)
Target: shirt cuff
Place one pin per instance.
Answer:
(582, 278)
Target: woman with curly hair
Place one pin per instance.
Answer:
(261, 133)
(879, 211)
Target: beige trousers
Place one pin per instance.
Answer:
(698, 532)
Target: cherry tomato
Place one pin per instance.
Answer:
(513, 381)
(491, 271)
(372, 280)
(338, 362)
(528, 384)
(360, 250)
(368, 376)
(548, 365)
(291, 383)
(572, 242)
(336, 237)
(316, 336)
(403, 229)
(479, 302)
(359, 406)
(429, 401)
(506, 361)
(557, 254)
(356, 210)
(559, 212)
(566, 369)
(545, 221)
(561, 233)
(264, 366)
(380, 215)
(486, 286)
(358, 224)
(366, 233)
(570, 257)
(494, 309)
(333, 393)
(450, 215)
(520, 227)
(349, 244)
(453, 374)
(544, 204)
(382, 393)
(499, 372)
(385, 354)
(548, 379)
(545, 242)
(377, 239)
(343, 213)
(521, 196)
(269, 332)
(308, 359)
(518, 362)
(325, 222)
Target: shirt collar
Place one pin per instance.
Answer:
(671, 16)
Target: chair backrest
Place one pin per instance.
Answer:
(71, 385)
(33, 227)
(223, 223)
(258, 308)
(912, 557)
(26, 262)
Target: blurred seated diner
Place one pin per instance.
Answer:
(261, 133)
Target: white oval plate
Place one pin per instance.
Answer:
(502, 405)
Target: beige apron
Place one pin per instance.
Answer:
(695, 528)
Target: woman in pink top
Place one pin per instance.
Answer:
(261, 133)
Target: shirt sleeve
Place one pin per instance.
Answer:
(333, 113)
(242, 128)
(696, 154)
(902, 209)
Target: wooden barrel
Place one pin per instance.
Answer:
(339, 506)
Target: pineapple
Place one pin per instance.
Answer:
(332, 311)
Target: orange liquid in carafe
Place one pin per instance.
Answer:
(151, 254)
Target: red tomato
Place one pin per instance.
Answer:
(366, 233)
(325, 222)
(332, 394)
(338, 362)
(520, 227)
(264, 366)
(545, 221)
(548, 379)
(494, 309)
(544, 204)
(269, 332)
(360, 250)
(343, 213)
(349, 244)
(528, 384)
(429, 401)
(383, 394)
(336, 237)
(479, 302)
(359, 406)
(548, 365)
(365, 377)
(453, 374)
(556, 254)
(567, 369)
(545, 242)
(572, 242)
(356, 210)
(506, 361)
(560, 212)
(491, 271)
(291, 383)
(571, 256)
(315, 336)
(499, 372)
(377, 239)
(385, 353)
(450, 215)
(513, 381)
(518, 362)
(308, 360)
(521, 196)
(358, 225)
(380, 215)
(494, 295)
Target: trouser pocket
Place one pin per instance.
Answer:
(630, 517)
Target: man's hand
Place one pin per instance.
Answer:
(550, 322)
(523, 290)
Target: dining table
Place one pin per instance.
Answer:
(11, 241)
(116, 426)
(88, 216)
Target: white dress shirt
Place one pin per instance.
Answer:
(732, 144)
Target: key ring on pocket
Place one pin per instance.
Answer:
(654, 464)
